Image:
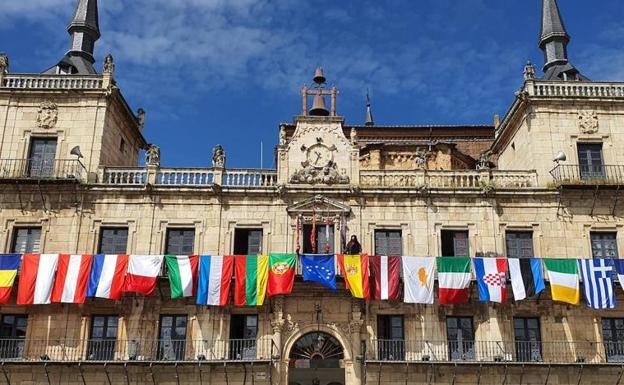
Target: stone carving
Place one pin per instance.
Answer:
(4, 63)
(484, 161)
(421, 159)
(48, 115)
(141, 118)
(326, 175)
(109, 64)
(529, 71)
(588, 122)
(354, 137)
(152, 156)
(218, 157)
(282, 136)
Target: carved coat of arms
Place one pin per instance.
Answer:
(588, 122)
(48, 115)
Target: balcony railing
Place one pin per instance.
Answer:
(576, 89)
(124, 176)
(52, 82)
(249, 178)
(185, 177)
(37, 169)
(574, 174)
(563, 352)
(67, 350)
(455, 179)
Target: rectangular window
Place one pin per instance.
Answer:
(247, 241)
(180, 242)
(455, 243)
(390, 338)
(591, 164)
(103, 337)
(321, 240)
(613, 336)
(460, 338)
(12, 335)
(528, 339)
(41, 157)
(519, 244)
(26, 240)
(604, 245)
(113, 240)
(172, 337)
(243, 333)
(388, 243)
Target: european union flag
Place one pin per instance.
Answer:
(320, 269)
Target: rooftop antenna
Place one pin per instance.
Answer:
(261, 155)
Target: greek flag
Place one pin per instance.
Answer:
(597, 276)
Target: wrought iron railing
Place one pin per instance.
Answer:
(248, 350)
(562, 352)
(38, 169)
(574, 174)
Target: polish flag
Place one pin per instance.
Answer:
(36, 279)
(107, 276)
(385, 276)
(72, 277)
(142, 274)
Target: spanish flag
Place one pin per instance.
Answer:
(9, 263)
(355, 273)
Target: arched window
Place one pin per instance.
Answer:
(316, 350)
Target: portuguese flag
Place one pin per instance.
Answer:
(281, 274)
(453, 279)
(251, 273)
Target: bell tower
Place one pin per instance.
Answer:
(318, 92)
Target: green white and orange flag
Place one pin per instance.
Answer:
(564, 282)
(281, 274)
(251, 276)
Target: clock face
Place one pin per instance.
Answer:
(319, 155)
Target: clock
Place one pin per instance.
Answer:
(319, 155)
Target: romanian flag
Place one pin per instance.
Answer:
(252, 274)
(355, 272)
(9, 263)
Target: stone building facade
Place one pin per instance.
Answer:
(71, 182)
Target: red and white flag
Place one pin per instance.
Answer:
(142, 274)
(36, 279)
(72, 277)
(385, 275)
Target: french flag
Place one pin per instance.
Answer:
(36, 279)
(142, 274)
(72, 276)
(107, 276)
(491, 277)
(215, 279)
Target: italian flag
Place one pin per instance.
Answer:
(453, 280)
(251, 272)
(215, 279)
(564, 282)
(281, 274)
(182, 271)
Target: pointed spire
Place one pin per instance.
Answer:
(554, 41)
(84, 30)
(369, 112)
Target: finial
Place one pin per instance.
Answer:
(218, 157)
(141, 118)
(109, 64)
(4, 63)
(152, 155)
(529, 71)
(319, 77)
(369, 111)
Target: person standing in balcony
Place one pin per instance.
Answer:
(354, 247)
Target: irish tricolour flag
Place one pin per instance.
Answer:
(182, 271)
(564, 282)
(453, 279)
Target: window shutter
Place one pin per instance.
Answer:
(460, 244)
(254, 242)
(27, 240)
(381, 243)
(395, 244)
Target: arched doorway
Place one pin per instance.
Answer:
(316, 359)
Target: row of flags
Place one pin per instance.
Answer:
(64, 278)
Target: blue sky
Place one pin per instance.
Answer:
(229, 71)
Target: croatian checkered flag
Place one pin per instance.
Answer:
(491, 277)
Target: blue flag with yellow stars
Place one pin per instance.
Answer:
(320, 269)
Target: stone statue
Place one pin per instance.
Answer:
(218, 157)
(141, 118)
(4, 63)
(421, 159)
(109, 64)
(353, 136)
(152, 155)
(484, 161)
(529, 71)
(282, 136)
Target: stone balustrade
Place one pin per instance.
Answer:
(185, 177)
(575, 89)
(454, 179)
(249, 178)
(53, 82)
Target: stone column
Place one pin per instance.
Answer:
(217, 177)
(355, 327)
(277, 323)
(152, 172)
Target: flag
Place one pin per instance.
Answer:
(355, 272)
(281, 274)
(385, 275)
(619, 269)
(215, 279)
(526, 276)
(597, 275)
(251, 277)
(36, 279)
(418, 279)
(107, 276)
(320, 269)
(453, 280)
(142, 274)
(491, 277)
(72, 278)
(182, 272)
(564, 283)
(9, 264)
